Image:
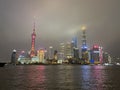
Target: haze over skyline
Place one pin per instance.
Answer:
(58, 21)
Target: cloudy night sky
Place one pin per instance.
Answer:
(58, 21)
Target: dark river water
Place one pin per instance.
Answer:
(60, 77)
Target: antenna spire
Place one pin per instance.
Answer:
(34, 27)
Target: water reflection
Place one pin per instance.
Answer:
(60, 77)
(36, 78)
(98, 77)
(85, 75)
(26, 78)
(92, 77)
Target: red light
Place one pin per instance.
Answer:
(22, 51)
(96, 46)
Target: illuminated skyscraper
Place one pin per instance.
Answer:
(51, 52)
(41, 55)
(84, 46)
(75, 48)
(101, 54)
(69, 50)
(62, 51)
(32, 52)
(96, 54)
(75, 41)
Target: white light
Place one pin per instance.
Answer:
(106, 64)
(117, 63)
(14, 50)
(50, 47)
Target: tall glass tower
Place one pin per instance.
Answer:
(84, 48)
(75, 48)
(75, 41)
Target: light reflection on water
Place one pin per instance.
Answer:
(37, 78)
(60, 77)
(92, 77)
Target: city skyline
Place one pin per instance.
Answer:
(58, 21)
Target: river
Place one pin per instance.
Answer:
(60, 77)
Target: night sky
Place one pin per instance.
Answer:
(58, 21)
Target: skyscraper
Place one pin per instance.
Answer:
(75, 48)
(41, 55)
(62, 50)
(96, 54)
(75, 41)
(69, 50)
(51, 52)
(84, 47)
(33, 36)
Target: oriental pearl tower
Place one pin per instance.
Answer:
(33, 36)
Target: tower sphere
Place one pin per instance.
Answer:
(83, 28)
